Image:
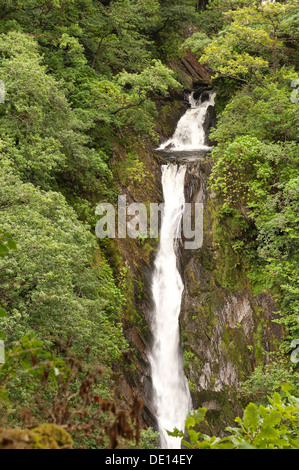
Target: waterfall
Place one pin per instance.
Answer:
(171, 396)
(171, 393)
(190, 133)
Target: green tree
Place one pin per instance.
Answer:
(6, 244)
(255, 177)
(251, 40)
(52, 281)
(265, 427)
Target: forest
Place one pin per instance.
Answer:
(87, 89)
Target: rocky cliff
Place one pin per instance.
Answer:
(224, 332)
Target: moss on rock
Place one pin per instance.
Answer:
(225, 328)
(46, 436)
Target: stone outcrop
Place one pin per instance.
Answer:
(190, 72)
(224, 332)
(46, 436)
(209, 122)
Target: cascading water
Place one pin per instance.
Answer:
(190, 133)
(171, 396)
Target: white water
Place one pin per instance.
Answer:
(190, 134)
(171, 393)
(171, 396)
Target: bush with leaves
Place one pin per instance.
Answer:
(251, 39)
(275, 426)
(30, 358)
(6, 244)
(52, 285)
(66, 393)
(267, 379)
(255, 178)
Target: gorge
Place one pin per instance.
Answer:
(171, 395)
(181, 109)
(214, 324)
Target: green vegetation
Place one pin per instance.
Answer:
(83, 84)
(275, 426)
(80, 78)
(252, 51)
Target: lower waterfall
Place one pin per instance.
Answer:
(172, 399)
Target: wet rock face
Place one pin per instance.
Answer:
(222, 330)
(209, 122)
(169, 114)
(136, 258)
(135, 376)
(198, 74)
(204, 97)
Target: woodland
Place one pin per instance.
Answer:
(82, 78)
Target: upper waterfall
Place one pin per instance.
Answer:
(190, 133)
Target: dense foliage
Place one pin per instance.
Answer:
(81, 77)
(252, 49)
(78, 77)
(274, 426)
